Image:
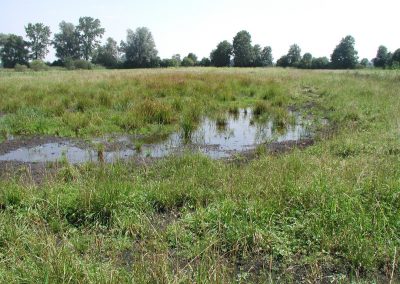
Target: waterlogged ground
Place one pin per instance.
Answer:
(239, 132)
(325, 212)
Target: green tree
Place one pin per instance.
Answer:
(140, 49)
(193, 57)
(364, 62)
(294, 55)
(3, 38)
(283, 61)
(205, 62)
(344, 55)
(67, 42)
(90, 33)
(242, 49)
(14, 51)
(221, 56)
(266, 57)
(177, 59)
(320, 63)
(382, 57)
(170, 62)
(306, 61)
(187, 62)
(257, 56)
(39, 40)
(108, 54)
(395, 59)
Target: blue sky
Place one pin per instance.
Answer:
(180, 26)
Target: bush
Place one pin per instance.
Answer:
(82, 64)
(69, 64)
(38, 65)
(20, 68)
(72, 64)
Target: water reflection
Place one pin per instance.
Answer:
(239, 132)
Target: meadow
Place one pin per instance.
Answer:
(327, 213)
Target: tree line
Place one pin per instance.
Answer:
(78, 46)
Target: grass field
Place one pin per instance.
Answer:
(328, 213)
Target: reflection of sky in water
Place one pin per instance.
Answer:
(238, 135)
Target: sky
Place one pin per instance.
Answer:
(183, 26)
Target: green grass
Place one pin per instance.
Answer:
(85, 104)
(326, 213)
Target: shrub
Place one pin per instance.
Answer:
(72, 64)
(20, 68)
(82, 64)
(38, 65)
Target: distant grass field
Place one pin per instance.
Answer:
(329, 213)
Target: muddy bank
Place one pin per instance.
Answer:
(285, 146)
(13, 144)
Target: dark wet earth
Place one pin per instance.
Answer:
(239, 133)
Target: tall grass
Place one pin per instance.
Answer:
(329, 213)
(126, 100)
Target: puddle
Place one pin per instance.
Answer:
(239, 134)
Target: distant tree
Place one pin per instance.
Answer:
(140, 49)
(257, 59)
(364, 63)
(14, 51)
(306, 61)
(169, 62)
(57, 63)
(344, 55)
(294, 55)
(205, 62)
(187, 62)
(108, 54)
(382, 57)
(90, 33)
(177, 59)
(3, 38)
(221, 56)
(389, 59)
(266, 57)
(242, 49)
(283, 61)
(193, 57)
(39, 40)
(320, 63)
(395, 59)
(67, 42)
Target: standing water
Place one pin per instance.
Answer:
(238, 133)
